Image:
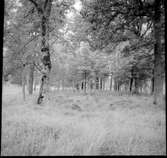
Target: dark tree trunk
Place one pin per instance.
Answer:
(115, 84)
(158, 66)
(131, 84)
(101, 83)
(82, 85)
(118, 86)
(85, 82)
(131, 81)
(97, 83)
(110, 83)
(136, 90)
(31, 78)
(152, 85)
(44, 87)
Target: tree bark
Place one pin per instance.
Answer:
(23, 82)
(136, 90)
(23, 90)
(110, 83)
(101, 83)
(97, 83)
(91, 84)
(85, 82)
(82, 85)
(118, 86)
(152, 85)
(44, 87)
(115, 84)
(31, 78)
(158, 66)
(131, 81)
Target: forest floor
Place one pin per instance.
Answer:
(75, 124)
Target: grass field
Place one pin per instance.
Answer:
(75, 124)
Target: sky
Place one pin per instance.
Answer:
(70, 15)
(77, 6)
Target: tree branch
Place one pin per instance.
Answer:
(31, 41)
(45, 4)
(148, 27)
(39, 9)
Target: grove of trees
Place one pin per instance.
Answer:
(115, 45)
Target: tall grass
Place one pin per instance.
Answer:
(105, 125)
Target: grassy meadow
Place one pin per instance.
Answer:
(71, 123)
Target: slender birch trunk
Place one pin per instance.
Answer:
(44, 87)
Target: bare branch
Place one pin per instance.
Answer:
(32, 40)
(148, 27)
(45, 4)
(39, 9)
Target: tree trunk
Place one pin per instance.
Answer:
(91, 84)
(23, 82)
(136, 86)
(131, 84)
(158, 66)
(152, 85)
(85, 82)
(97, 83)
(110, 83)
(115, 84)
(44, 87)
(31, 78)
(104, 84)
(82, 85)
(101, 83)
(23, 90)
(118, 86)
(131, 80)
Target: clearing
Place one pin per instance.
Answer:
(76, 124)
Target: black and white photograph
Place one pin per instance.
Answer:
(83, 78)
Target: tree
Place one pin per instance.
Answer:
(158, 62)
(44, 10)
(112, 20)
(19, 29)
(29, 23)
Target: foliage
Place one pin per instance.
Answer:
(22, 33)
(111, 22)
